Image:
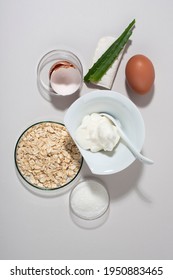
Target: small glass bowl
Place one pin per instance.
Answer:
(21, 157)
(49, 62)
(89, 203)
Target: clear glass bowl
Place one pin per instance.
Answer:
(37, 153)
(89, 203)
(49, 62)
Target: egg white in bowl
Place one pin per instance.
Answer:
(121, 108)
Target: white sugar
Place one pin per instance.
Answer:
(89, 199)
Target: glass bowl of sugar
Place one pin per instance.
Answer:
(89, 203)
(59, 72)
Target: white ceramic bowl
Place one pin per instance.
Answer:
(118, 106)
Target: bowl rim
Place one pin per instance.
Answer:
(23, 177)
(88, 179)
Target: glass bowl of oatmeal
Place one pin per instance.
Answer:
(46, 158)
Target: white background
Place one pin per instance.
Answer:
(140, 222)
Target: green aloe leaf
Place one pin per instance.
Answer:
(108, 57)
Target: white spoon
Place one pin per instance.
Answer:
(127, 141)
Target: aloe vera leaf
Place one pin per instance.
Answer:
(100, 71)
(108, 57)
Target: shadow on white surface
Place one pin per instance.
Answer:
(120, 184)
(59, 102)
(143, 196)
(90, 224)
(64, 102)
(140, 100)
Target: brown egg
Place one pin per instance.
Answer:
(140, 74)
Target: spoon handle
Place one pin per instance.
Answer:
(137, 154)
